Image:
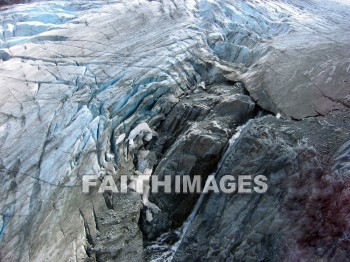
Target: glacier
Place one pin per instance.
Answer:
(87, 87)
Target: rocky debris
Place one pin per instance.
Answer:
(253, 227)
(190, 142)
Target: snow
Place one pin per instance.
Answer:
(120, 139)
(140, 128)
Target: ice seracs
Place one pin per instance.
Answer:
(84, 85)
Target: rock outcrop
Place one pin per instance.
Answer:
(279, 225)
(190, 142)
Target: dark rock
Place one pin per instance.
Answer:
(272, 226)
(193, 143)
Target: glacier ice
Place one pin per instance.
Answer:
(79, 77)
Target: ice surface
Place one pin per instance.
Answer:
(78, 77)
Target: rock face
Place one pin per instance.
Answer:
(112, 88)
(279, 225)
(193, 137)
